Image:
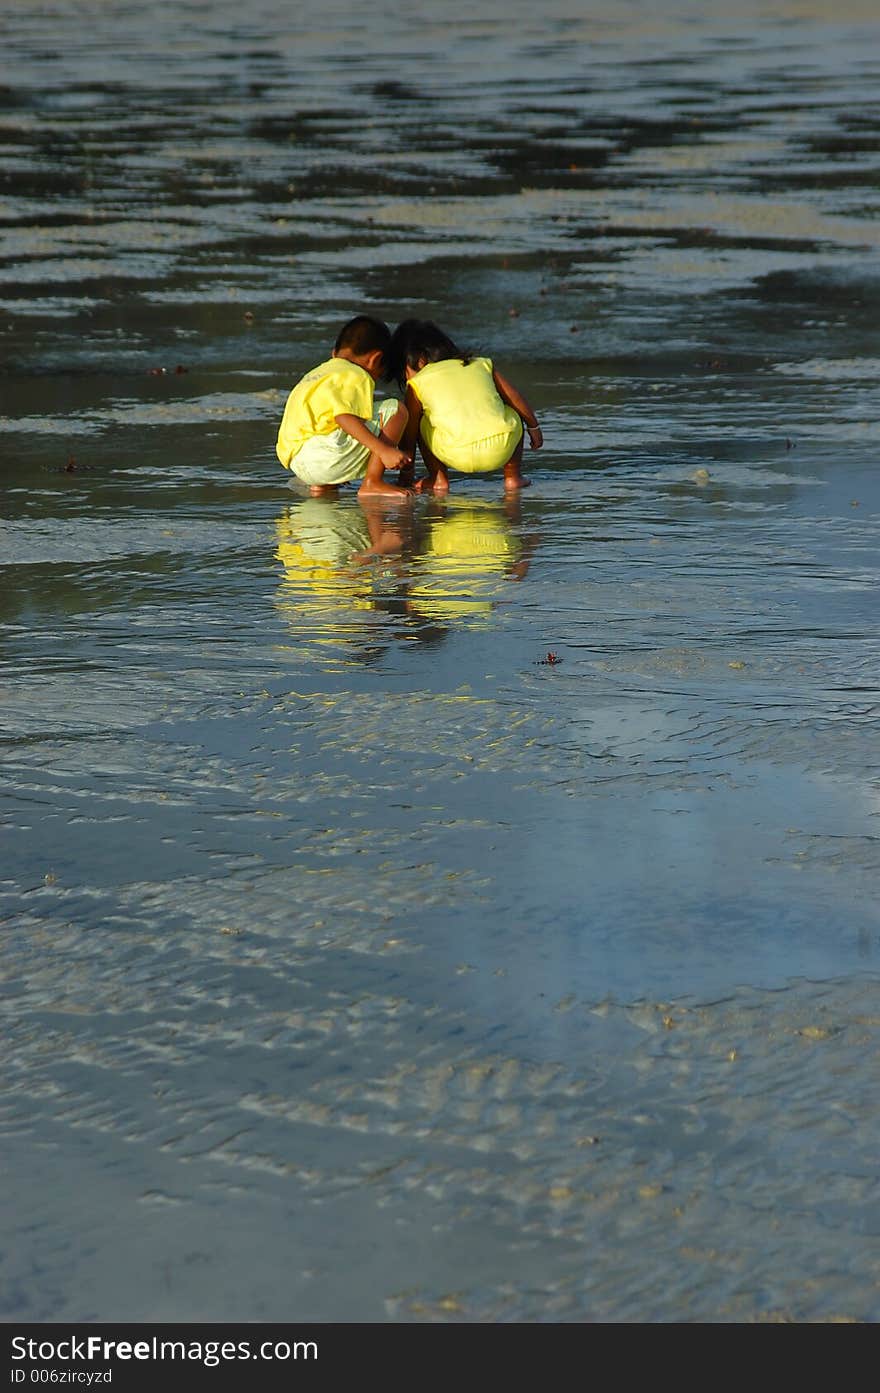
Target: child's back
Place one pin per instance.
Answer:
(463, 413)
(461, 408)
(311, 409)
(331, 433)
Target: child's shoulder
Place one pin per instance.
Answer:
(445, 366)
(335, 367)
(319, 370)
(477, 361)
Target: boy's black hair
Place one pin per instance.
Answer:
(414, 340)
(363, 334)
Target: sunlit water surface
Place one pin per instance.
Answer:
(464, 911)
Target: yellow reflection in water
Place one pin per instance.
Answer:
(469, 553)
(358, 574)
(341, 573)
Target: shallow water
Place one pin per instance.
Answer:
(361, 963)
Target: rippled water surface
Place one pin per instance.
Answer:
(361, 962)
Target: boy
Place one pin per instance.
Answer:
(330, 433)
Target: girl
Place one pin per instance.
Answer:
(463, 413)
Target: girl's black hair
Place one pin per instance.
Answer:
(414, 340)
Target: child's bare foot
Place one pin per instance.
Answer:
(324, 490)
(438, 482)
(513, 475)
(514, 482)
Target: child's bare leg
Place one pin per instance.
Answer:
(324, 490)
(513, 475)
(375, 485)
(438, 475)
(393, 428)
(392, 432)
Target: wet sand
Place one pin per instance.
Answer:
(360, 963)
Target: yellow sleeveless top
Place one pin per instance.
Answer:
(461, 404)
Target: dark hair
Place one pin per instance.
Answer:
(414, 340)
(363, 334)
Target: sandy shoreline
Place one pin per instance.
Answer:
(694, 1163)
(359, 964)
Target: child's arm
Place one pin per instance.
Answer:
(357, 428)
(507, 392)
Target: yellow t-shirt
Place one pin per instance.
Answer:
(461, 405)
(332, 387)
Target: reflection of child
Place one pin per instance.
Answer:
(330, 433)
(317, 539)
(324, 544)
(340, 569)
(469, 553)
(463, 413)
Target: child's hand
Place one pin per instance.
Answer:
(392, 457)
(536, 437)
